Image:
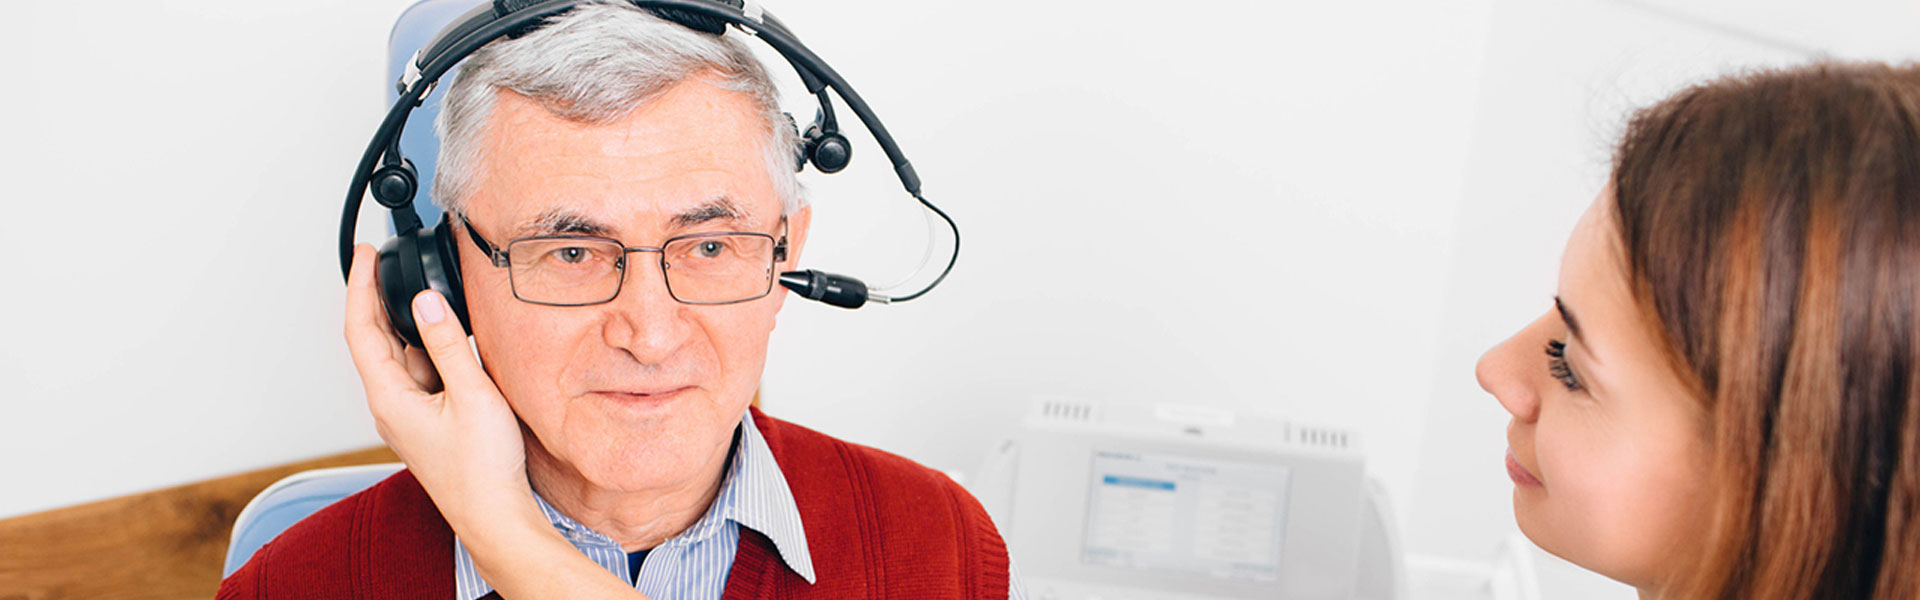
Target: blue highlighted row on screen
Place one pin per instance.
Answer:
(1152, 484)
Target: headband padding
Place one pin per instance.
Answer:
(691, 19)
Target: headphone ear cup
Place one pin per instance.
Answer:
(400, 281)
(417, 261)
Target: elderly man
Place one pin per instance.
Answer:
(624, 189)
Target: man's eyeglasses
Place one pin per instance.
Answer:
(576, 270)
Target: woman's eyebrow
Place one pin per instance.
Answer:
(1566, 315)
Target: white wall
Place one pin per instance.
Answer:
(1321, 211)
(1242, 207)
(171, 303)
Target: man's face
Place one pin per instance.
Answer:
(641, 393)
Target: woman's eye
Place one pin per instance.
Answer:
(1557, 365)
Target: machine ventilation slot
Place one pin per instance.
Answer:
(1067, 410)
(1323, 437)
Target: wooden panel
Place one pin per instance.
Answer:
(167, 543)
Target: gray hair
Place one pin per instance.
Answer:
(594, 65)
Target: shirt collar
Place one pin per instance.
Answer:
(763, 502)
(753, 494)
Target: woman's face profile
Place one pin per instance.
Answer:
(1608, 448)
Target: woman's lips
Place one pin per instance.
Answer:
(1519, 474)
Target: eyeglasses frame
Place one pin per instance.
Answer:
(498, 257)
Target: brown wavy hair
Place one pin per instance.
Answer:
(1770, 224)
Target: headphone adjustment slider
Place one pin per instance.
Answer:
(411, 76)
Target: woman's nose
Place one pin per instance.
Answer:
(1512, 371)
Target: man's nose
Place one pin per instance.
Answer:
(1505, 371)
(644, 319)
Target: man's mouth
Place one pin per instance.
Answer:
(643, 396)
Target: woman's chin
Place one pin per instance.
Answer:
(1601, 556)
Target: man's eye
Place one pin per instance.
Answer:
(572, 254)
(711, 249)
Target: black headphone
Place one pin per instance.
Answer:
(419, 258)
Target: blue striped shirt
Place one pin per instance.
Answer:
(695, 563)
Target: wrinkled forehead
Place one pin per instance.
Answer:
(692, 157)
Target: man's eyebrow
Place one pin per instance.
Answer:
(560, 221)
(717, 209)
(1566, 315)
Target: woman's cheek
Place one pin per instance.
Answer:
(1627, 501)
(1578, 516)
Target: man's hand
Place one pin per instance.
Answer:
(460, 439)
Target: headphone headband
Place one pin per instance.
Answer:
(484, 24)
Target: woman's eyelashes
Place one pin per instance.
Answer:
(1557, 365)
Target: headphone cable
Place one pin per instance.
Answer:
(951, 258)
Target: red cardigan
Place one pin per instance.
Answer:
(878, 525)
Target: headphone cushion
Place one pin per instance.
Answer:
(698, 21)
(443, 271)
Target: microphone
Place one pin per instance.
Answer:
(837, 290)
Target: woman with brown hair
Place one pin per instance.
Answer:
(1724, 401)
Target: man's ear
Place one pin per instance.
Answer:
(797, 227)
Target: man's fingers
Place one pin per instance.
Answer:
(446, 343)
(374, 349)
(421, 368)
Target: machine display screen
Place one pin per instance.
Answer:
(1211, 517)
